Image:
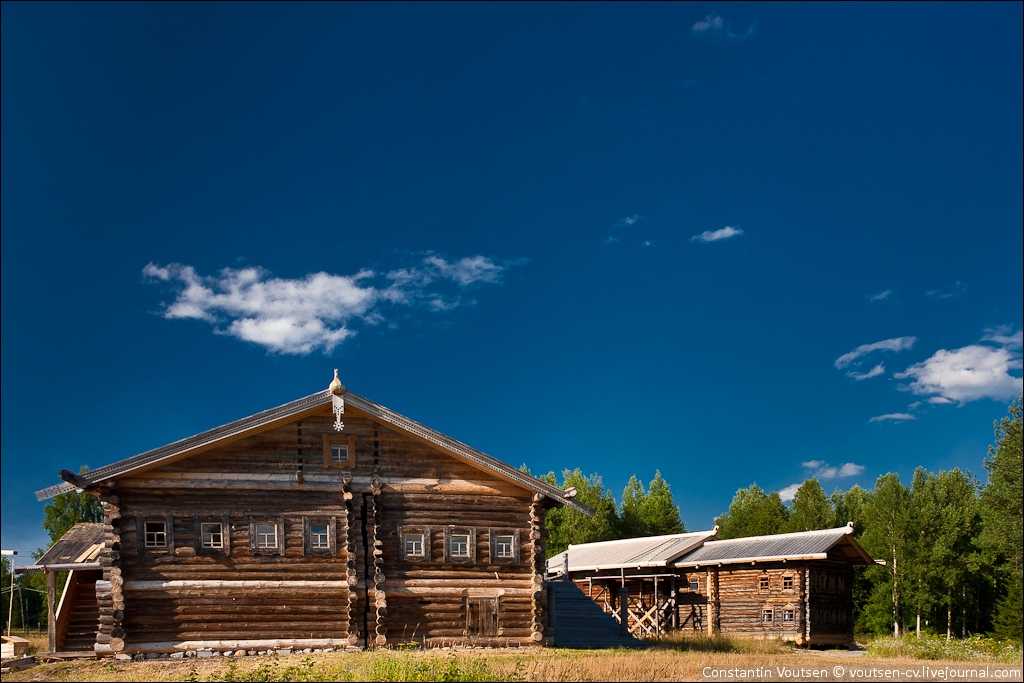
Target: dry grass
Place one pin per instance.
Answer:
(688, 659)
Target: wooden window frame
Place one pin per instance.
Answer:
(493, 544)
(427, 543)
(694, 584)
(764, 583)
(142, 520)
(332, 535)
(254, 548)
(787, 579)
(459, 531)
(767, 616)
(788, 615)
(349, 441)
(225, 530)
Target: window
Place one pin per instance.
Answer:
(788, 616)
(694, 584)
(212, 534)
(787, 583)
(319, 535)
(339, 450)
(504, 546)
(763, 582)
(156, 534)
(266, 536)
(414, 543)
(459, 545)
(766, 615)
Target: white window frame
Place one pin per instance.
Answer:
(216, 538)
(258, 541)
(404, 534)
(513, 555)
(470, 552)
(767, 615)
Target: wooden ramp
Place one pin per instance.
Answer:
(581, 623)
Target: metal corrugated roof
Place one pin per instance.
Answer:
(651, 551)
(80, 544)
(802, 545)
(306, 405)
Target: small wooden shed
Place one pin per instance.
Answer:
(796, 586)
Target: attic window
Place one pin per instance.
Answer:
(763, 582)
(339, 450)
(787, 583)
(694, 584)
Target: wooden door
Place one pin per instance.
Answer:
(482, 617)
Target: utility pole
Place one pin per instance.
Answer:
(10, 609)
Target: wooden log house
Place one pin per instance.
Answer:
(327, 522)
(796, 586)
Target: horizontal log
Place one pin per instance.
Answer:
(225, 583)
(236, 644)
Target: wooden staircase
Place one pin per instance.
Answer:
(581, 623)
(77, 628)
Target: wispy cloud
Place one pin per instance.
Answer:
(953, 291)
(609, 240)
(880, 296)
(894, 344)
(301, 315)
(893, 417)
(972, 372)
(822, 471)
(717, 235)
(714, 27)
(873, 372)
(647, 243)
(629, 221)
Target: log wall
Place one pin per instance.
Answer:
(362, 592)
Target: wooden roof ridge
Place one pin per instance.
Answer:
(267, 418)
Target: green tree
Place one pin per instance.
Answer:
(952, 550)
(1003, 512)
(565, 525)
(650, 512)
(811, 508)
(753, 513)
(888, 526)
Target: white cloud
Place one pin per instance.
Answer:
(894, 344)
(716, 235)
(893, 417)
(630, 221)
(715, 27)
(317, 311)
(881, 296)
(609, 240)
(787, 494)
(1004, 336)
(873, 372)
(647, 243)
(966, 374)
(822, 471)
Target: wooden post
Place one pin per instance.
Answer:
(51, 609)
(675, 606)
(657, 608)
(624, 610)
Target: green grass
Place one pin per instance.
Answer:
(974, 649)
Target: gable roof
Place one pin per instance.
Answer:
(296, 409)
(650, 551)
(802, 545)
(702, 548)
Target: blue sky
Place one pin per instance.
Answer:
(730, 242)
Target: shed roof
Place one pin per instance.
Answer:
(650, 551)
(803, 545)
(284, 413)
(80, 544)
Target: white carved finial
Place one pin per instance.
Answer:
(337, 401)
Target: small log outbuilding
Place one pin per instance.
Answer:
(796, 586)
(327, 522)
